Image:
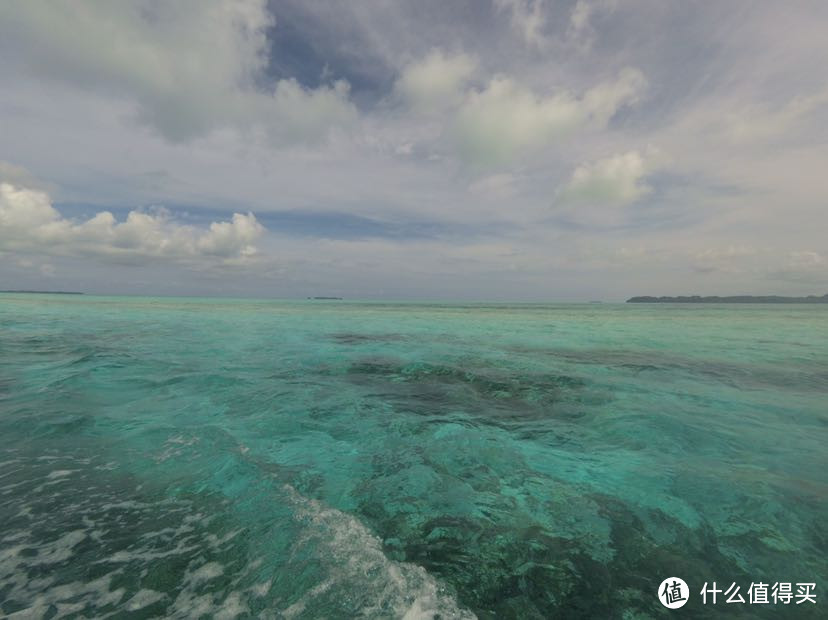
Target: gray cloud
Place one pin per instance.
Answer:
(189, 67)
(536, 119)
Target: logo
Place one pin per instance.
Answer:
(673, 593)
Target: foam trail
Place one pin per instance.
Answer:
(355, 562)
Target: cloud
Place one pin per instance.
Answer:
(29, 223)
(504, 119)
(615, 180)
(188, 67)
(527, 19)
(580, 31)
(579, 18)
(759, 122)
(18, 175)
(494, 187)
(802, 266)
(234, 238)
(436, 81)
(806, 259)
(294, 114)
(731, 259)
(793, 266)
(493, 124)
(468, 120)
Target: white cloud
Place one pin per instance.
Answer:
(803, 266)
(579, 18)
(29, 223)
(435, 81)
(189, 67)
(497, 123)
(232, 238)
(806, 258)
(580, 31)
(617, 180)
(605, 99)
(806, 267)
(729, 259)
(527, 19)
(494, 186)
(759, 122)
(16, 175)
(739, 107)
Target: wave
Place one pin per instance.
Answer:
(357, 569)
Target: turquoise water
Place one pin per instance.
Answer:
(234, 458)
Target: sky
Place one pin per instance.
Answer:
(514, 150)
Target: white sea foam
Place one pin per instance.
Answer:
(353, 565)
(215, 542)
(209, 571)
(148, 555)
(232, 607)
(19, 535)
(59, 473)
(355, 562)
(174, 447)
(189, 605)
(261, 589)
(96, 593)
(143, 598)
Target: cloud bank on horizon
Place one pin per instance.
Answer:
(513, 149)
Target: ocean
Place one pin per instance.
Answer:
(186, 457)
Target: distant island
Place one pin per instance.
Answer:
(339, 298)
(737, 299)
(45, 292)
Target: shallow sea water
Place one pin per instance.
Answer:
(236, 458)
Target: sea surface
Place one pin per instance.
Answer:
(171, 457)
